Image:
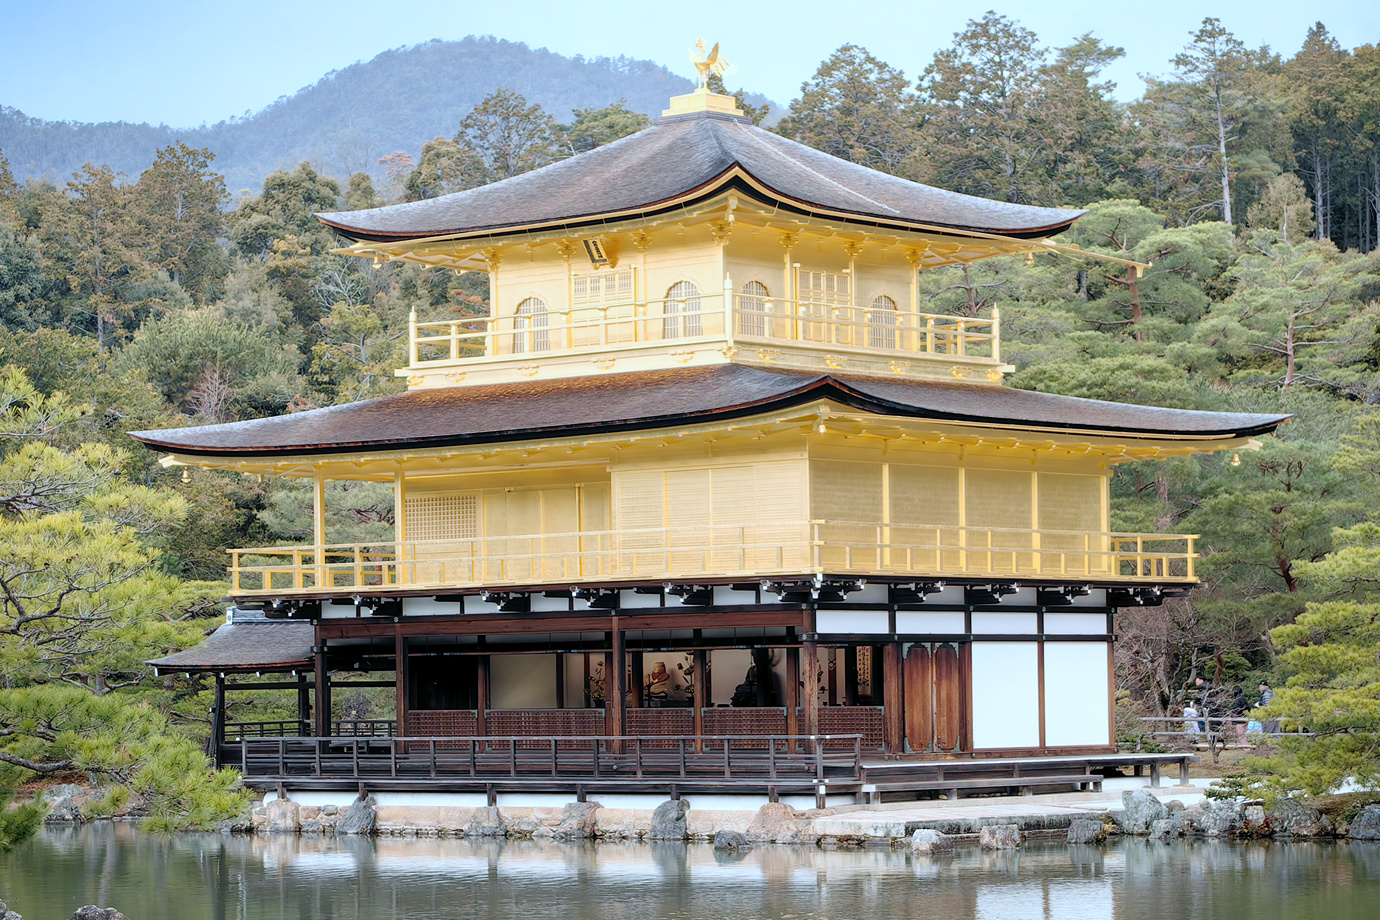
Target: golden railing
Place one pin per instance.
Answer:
(830, 547)
(716, 317)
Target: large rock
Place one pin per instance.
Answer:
(1218, 818)
(64, 791)
(668, 821)
(925, 840)
(578, 821)
(486, 822)
(281, 816)
(1167, 828)
(63, 811)
(7, 914)
(1289, 818)
(92, 912)
(1000, 837)
(360, 819)
(1140, 810)
(1086, 830)
(776, 822)
(1366, 825)
(730, 840)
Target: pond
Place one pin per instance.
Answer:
(208, 877)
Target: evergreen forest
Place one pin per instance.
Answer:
(1249, 178)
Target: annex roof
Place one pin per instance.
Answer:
(686, 158)
(253, 645)
(458, 416)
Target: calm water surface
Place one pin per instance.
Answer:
(206, 877)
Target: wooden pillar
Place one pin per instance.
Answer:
(616, 683)
(850, 676)
(400, 680)
(701, 695)
(892, 697)
(481, 695)
(218, 719)
(303, 705)
(809, 670)
(318, 526)
(560, 680)
(793, 692)
(323, 693)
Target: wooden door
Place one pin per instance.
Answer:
(934, 695)
(948, 698)
(919, 707)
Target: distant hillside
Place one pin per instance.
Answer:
(349, 118)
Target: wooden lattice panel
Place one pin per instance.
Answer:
(545, 723)
(442, 723)
(453, 516)
(852, 720)
(655, 722)
(748, 720)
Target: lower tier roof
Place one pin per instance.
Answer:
(460, 416)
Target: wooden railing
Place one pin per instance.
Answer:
(717, 759)
(831, 547)
(296, 728)
(719, 316)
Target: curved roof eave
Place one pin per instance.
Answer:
(475, 416)
(726, 180)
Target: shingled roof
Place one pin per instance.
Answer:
(253, 645)
(687, 158)
(652, 399)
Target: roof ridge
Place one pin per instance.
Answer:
(812, 171)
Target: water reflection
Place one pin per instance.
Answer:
(208, 877)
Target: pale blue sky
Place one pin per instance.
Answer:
(185, 62)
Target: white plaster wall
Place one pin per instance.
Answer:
(1075, 624)
(522, 682)
(924, 622)
(1006, 702)
(1076, 696)
(849, 622)
(1005, 624)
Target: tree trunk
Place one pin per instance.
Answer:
(1222, 152)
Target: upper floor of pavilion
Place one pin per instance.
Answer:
(701, 240)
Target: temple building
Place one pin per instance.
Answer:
(705, 502)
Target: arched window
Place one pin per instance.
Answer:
(529, 327)
(881, 322)
(682, 311)
(752, 309)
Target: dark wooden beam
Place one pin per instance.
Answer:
(323, 693)
(616, 682)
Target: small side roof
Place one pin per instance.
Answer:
(252, 645)
(687, 158)
(646, 400)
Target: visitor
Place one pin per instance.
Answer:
(1191, 723)
(1271, 726)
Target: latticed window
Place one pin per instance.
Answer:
(752, 309)
(682, 311)
(881, 322)
(530, 327)
(453, 516)
(601, 288)
(825, 288)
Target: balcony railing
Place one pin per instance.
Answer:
(713, 317)
(830, 547)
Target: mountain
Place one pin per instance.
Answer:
(349, 118)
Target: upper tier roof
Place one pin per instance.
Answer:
(686, 158)
(652, 399)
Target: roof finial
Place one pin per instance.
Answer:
(707, 64)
